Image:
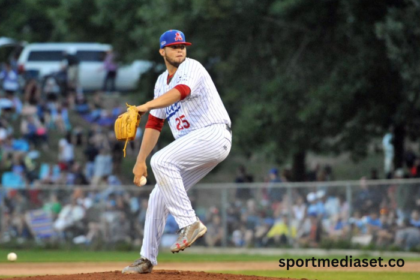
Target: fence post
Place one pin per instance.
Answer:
(289, 213)
(2, 200)
(349, 200)
(350, 210)
(224, 200)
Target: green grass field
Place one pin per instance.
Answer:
(40, 255)
(43, 256)
(331, 275)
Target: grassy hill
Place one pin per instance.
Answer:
(343, 167)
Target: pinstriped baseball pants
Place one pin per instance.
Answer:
(177, 168)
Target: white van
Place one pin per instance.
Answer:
(47, 58)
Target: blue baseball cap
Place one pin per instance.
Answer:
(173, 37)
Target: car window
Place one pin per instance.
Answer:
(91, 56)
(45, 55)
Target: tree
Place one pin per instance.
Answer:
(400, 32)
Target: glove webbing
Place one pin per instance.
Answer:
(125, 146)
(127, 127)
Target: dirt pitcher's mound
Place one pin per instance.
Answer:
(155, 275)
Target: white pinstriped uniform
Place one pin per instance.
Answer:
(198, 124)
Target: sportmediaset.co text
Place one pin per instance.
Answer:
(345, 262)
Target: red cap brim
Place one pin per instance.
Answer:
(178, 43)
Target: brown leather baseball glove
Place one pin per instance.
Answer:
(126, 125)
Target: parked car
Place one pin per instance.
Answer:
(47, 59)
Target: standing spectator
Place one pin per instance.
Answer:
(243, 177)
(90, 153)
(72, 69)
(409, 158)
(10, 79)
(388, 147)
(275, 194)
(117, 156)
(111, 72)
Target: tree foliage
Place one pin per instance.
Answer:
(296, 75)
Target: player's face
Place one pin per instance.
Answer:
(175, 54)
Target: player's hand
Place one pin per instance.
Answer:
(140, 169)
(142, 109)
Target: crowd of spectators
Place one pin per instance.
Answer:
(41, 144)
(35, 121)
(378, 215)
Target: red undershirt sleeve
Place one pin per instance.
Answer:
(154, 123)
(184, 90)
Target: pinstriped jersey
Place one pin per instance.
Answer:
(203, 107)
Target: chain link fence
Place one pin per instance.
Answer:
(381, 214)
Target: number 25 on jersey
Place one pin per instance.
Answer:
(182, 123)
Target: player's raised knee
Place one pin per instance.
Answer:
(156, 162)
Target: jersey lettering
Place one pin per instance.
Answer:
(172, 110)
(203, 107)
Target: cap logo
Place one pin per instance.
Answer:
(163, 43)
(178, 37)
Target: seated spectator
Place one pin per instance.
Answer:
(311, 231)
(70, 217)
(214, 234)
(312, 200)
(408, 236)
(66, 151)
(81, 104)
(367, 197)
(264, 224)
(50, 177)
(17, 104)
(77, 176)
(9, 77)
(102, 166)
(373, 222)
(415, 219)
(32, 129)
(120, 229)
(63, 121)
(332, 205)
(299, 209)
(18, 166)
(52, 206)
(51, 89)
(320, 204)
(238, 236)
(32, 94)
(5, 130)
(385, 235)
(337, 227)
(281, 233)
